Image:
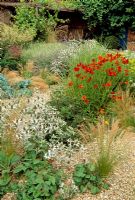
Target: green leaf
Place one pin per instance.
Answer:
(5, 180)
(93, 178)
(19, 168)
(52, 180)
(83, 188)
(14, 159)
(94, 190)
(106, 186)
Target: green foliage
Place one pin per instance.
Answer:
(40, 21)
(34, 177)
(7, 163)
(109, 16)
(110, 42)
(86, 177)
(69, 4)
(71, 109)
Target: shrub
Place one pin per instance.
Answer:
(104, 17)
(41, 22)
(11, 35)
(11, 39)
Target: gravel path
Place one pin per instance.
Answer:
(122, 181)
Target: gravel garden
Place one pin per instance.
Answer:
(67, 118)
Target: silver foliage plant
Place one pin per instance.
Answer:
(38, 118)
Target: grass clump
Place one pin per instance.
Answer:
(107, 138)
(124, 110)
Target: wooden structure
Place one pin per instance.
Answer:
(131, 40)
(75, 28)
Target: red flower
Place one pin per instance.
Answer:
(108, 84)
(79, 65)
(70, 83)
(126, 72)
(111, 72)
(76, 69)
(125, 60)
(89, 79)
(116, 62)
(119, 68)
(78, 75)
(95, 86)
(112, 92)
(80, 86)
(86, 101)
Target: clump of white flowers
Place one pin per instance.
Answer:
(60, 64)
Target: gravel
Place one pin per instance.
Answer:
(122, 180)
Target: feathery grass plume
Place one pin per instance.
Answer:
(9, 142)
(107, 137)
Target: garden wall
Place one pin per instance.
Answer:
(5, 16)
(131, 40)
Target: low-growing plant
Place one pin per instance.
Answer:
(7, 163)
(86, 177)
(19, 89)
(29, 176)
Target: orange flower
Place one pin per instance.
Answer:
(126, 82)
(102, 111)
(84, 97)
(78, 75)
(70, 83)
(80, 86)
(95, 86)
(86, 101)
(89, 79)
